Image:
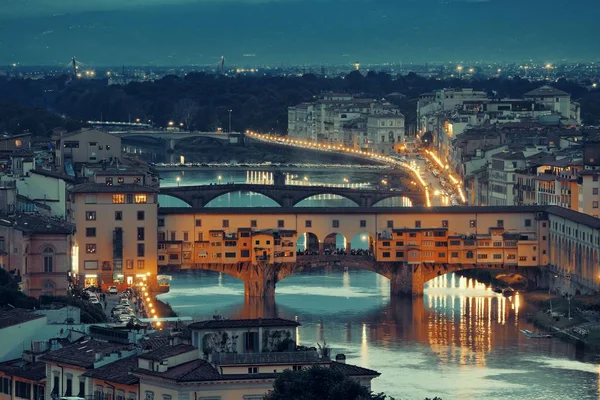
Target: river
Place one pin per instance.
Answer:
(460, 341)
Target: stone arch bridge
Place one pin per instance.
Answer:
(172, 138)
(287, 195)
(406, 279)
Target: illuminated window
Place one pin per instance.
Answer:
(18, 143)
(90, 248)
(118, 199)
(90, 215)
(140, 198)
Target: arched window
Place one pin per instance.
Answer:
(48, 255)
(48, 288)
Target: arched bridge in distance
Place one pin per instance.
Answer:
(288, 195)
(171, 138)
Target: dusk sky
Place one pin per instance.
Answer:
(176, 32)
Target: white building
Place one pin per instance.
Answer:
(557, 101)
(340, 119)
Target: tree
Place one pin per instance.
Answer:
(186, 111)
(318, 383)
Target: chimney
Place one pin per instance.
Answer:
(340, 358)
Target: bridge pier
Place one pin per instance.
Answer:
(259, 281)
(406, 280)
(170, 145)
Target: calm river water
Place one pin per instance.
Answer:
(460, 341)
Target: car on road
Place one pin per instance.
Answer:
(113, 290)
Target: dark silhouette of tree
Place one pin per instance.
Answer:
(260, 102)
(185, 111)
(317, 383)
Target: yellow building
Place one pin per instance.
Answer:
(116, 238)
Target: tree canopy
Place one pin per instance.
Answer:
(202, 101)
(319, 383)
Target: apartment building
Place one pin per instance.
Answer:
(37, 252)
(116, 238)
(439, 246)
(86, 146)
(244, 244)
(341, 119)
(557, 101)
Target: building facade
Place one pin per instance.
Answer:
(116, 240)
(38, 253)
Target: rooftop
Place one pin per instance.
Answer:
(119, 171)
(103, 188)
(167, 351)
(154, 341)
(116, 372)
(52, 174)
(16, 316)
(353, 370)
(33, 371)
(243, 323)
(546, 91)
(200, 370)
(79, 132)
(83, 354)
(193, 371)
(36, 224)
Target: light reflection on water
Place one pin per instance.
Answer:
(460, 341)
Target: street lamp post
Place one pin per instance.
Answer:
(178, 179)
(230, 121)
(220, 177)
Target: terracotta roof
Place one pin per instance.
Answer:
(116, 372)
(33, 371)
(154, 342)
(83, 354)
(16, 316)
(200, 370)
(37, 224)
(242, 323)
(52, 174)
(197, 370)
(353, 370)
(167, 351)
(121, 172)
(103, 188)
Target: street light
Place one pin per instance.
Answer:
(178, 179)
(220, 177)
(230, 120)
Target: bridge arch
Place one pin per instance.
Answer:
(157, 139)
(394, 201)
(308, 242)
(363, 241)
(334, 242)
(302, 198)
(221, 142)
(241, 196)
(171, 200)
